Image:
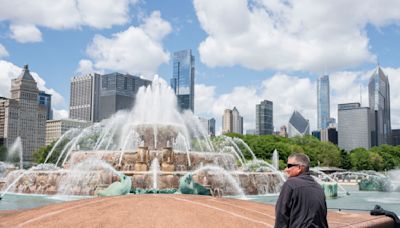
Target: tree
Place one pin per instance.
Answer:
(3, 153)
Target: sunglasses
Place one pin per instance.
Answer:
(291, 165)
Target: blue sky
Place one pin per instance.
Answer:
(245, 51)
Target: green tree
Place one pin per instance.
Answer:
(3, 153)
(345, 162)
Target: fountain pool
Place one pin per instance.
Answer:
(357, 200)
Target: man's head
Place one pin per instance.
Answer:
(297, 164)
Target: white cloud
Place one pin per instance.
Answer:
(294, 35)
(290, 93)
(67, 14)
(85, 66)
(286, 92)
(25, 33)
(137, 50)
(60, 114)
(10, 71)
(3, 51)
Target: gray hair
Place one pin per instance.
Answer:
(301, 159)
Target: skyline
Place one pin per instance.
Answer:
(245, 52)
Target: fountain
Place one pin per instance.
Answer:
(16, 151)
(369, 180)
(153, 144)
(275, 159)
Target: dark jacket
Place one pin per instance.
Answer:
(301, 203)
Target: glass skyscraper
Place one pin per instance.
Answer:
(264, 118)
(379, 104)
(182, 81)
(323, 102)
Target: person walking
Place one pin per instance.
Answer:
(301, 202)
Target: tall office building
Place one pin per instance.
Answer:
(84, 97)
(395, 137)
(117, 92)
(232, 121)
(329, 134)
(379, 104)
(354, 126)
(298, 125)
(227, 121)
(323, 102)
(45, 100)
(22, 116)
(182, 81)
(211, 127)
(56, 128)
(264, 118)
(237, 121)
(96, 97)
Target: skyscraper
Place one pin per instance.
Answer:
(22, 116)
(117, 92)
(45, 100)
(298, 125)
(232, 121)
(264, 118)
(323, 102)
(354, 126)
(84, 97)
(237, 121)
(96, 97)
(379, 104)
(211, 127)
(182, 81)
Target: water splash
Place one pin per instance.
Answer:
(155, 169)
(275, 159)
(16, 150)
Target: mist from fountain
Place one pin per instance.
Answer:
(223, 177)
(16, 150)
(155, 169)
(275, 159)
(85, 176)
(68, 135)
(394, 176)
(321, 177)
(154, 121)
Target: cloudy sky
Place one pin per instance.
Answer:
(245, 51)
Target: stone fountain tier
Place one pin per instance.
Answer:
(50, 182)
(252, 183)
(170, 160)
(155, 136)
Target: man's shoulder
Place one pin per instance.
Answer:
(298, 181)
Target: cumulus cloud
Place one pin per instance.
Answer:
(60, 114)
(10, 71)
(288, 93)
(85, 66)
(25, 33)
(3, 51)
(137, 50)
(290, 35)
(68, 14)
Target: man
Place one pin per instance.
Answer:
(301, 202)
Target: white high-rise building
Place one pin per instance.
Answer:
(22, 116)
(232, 121)
(85, 95)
